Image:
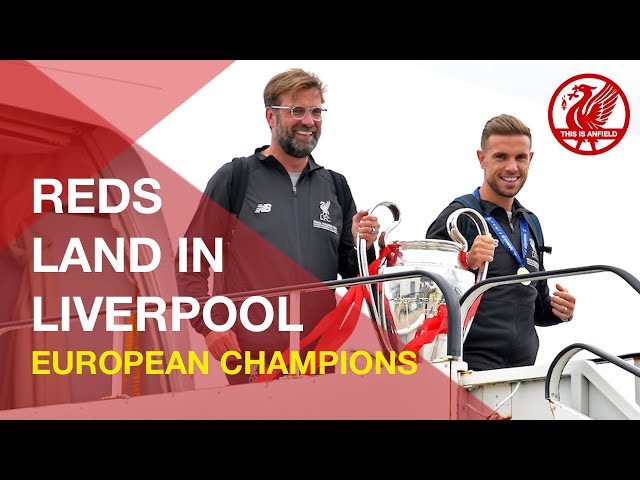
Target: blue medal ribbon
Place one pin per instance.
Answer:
(504, 239)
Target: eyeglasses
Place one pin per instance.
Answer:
(299, 113)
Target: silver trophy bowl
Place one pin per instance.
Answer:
(412, 301)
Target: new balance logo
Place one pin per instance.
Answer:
(263, 208)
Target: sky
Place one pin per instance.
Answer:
(407, 132)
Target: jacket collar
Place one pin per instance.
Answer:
(490, 207)
(311, 164)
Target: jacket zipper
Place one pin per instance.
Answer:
(297, 227)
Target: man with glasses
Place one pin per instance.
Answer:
(297, 225)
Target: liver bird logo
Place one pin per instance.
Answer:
(592, 110)
(589, 114)
(324, 206)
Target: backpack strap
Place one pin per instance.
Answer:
(469, 201)
(339, 182)
(237, 189)
(238, 184)
(533, 220)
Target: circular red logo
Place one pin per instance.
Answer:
(589, 114)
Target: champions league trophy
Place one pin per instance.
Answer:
(401, 307)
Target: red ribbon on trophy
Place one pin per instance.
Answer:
(338, 325)
(435, 325)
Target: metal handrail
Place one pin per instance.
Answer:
(456, 310)
(552, 382)
(454, 337)
(624, 356)
(471, 295)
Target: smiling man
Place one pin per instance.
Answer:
(503, 332)
(297, 224)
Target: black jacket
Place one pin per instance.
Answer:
(284, 236)
(503, 331)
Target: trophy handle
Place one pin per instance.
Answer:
(457, 236)
(397, 217)
(377, 311)
(363, 265)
